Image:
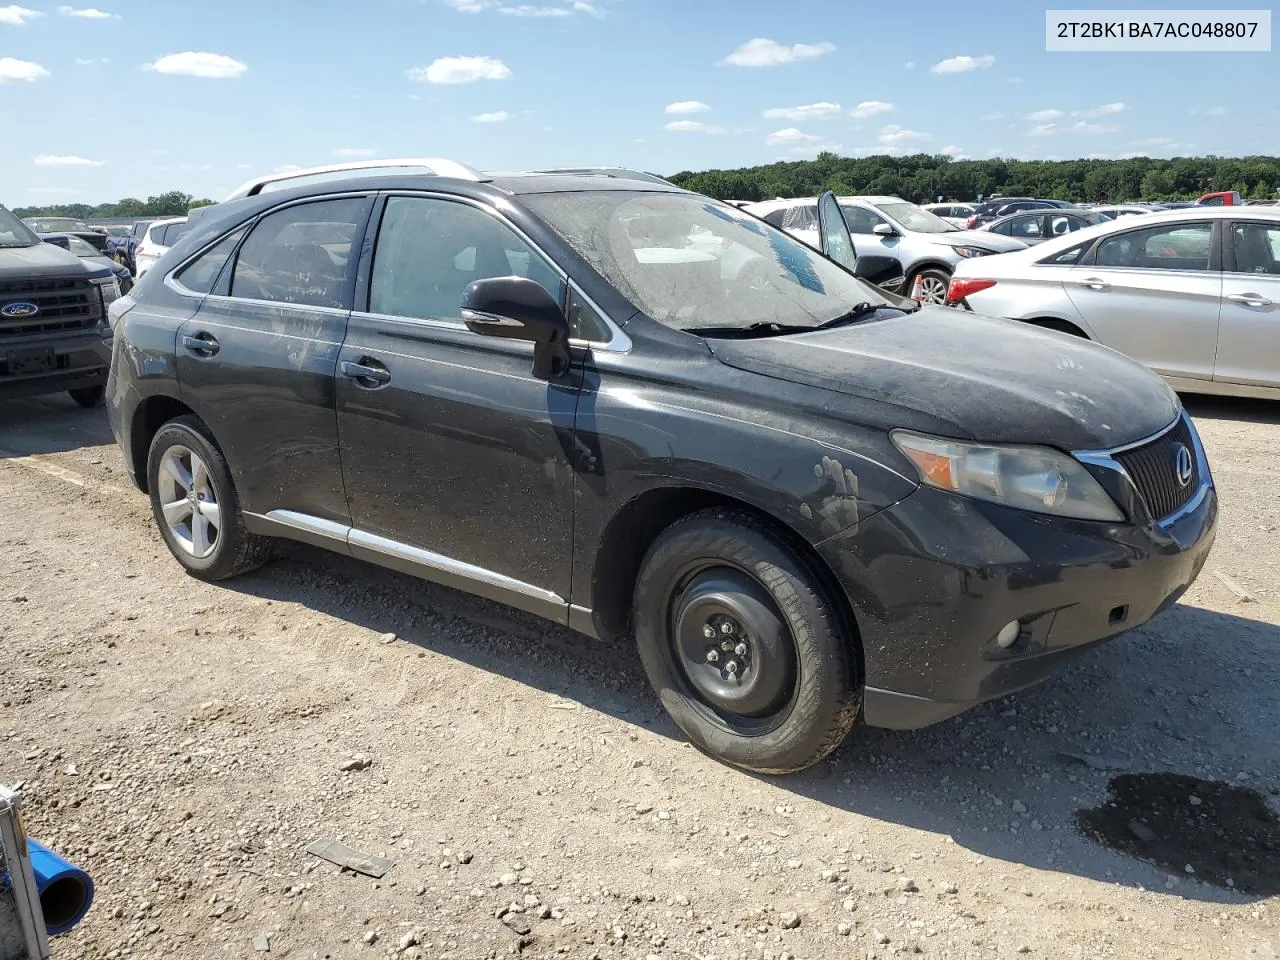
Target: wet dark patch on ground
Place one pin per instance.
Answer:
(1226, 834)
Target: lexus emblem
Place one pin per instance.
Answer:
(1182, 465)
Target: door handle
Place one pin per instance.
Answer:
(1095, 283)
(1250, 299)
(202, 344)
(368, 373)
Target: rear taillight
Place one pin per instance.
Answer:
(971, 223)
(140, 249)
(961, 287)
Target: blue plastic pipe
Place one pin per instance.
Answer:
(66, 891)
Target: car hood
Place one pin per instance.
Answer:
(980, 238)
(980, 378)
(43, 260)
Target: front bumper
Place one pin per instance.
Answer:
(74, 359)
(934, 578)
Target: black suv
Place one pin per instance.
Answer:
(632, 409)
(53, 318)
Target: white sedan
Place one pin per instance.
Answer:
(1193, 293)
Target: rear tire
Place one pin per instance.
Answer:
(745, 652)
(934, 281)
(195, 505)
(89, 397)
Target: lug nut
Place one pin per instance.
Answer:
(740, 649)
(713, 656)
(727, 646)
(709, 631)
(726, 627)
(731, 667)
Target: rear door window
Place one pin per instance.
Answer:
(301, 254)
(202, 274)
(1256, 247)
(1176, 246)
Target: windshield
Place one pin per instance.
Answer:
(690, 262)
(82, 248)
(15, 233)
(55, 224)
(915, 219)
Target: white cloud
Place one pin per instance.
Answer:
(1044, 130)
(16, 16)
(1097, 156)
(211, 66)
(1083, 126)
(87, 13)
(81, 62)
(460, 70)
(963, 64)
(761, 52)
(1211, 112)
(896, 136)
(870, 108)
(954, 152)
(529, 10)
(808, 111)
(1044, 116)
(692, 126)
(909, 65)
(52, 160)
(992, 116)
(497, 116)
(687, 106)
(790, 135)
(1106, 110)
(11, 69)
(567, 9)
(354, 152)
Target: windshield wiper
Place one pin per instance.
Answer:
(856, 312)
(762, 328)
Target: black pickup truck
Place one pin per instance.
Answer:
(54, 333)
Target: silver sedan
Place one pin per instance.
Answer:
(1192, 293)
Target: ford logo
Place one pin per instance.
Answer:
(1182, 466)
(19, 310)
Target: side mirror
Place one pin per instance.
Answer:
(884, 230)
(877, 269)
(517, 308)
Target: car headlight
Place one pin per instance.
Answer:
(1038, 479)
(971, 251)
(110, 288)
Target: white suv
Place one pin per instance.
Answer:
(155, 243)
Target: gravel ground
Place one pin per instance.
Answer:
(185, 743)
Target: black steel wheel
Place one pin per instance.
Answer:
(740, 643)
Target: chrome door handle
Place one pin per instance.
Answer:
(202, 344)
(1095, 283)
(365, 374)
(1250, 299)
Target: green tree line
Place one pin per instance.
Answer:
(923, 178)
(175, 203)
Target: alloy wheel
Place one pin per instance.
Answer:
(933, 289)
(189, 502)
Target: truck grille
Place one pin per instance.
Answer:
(1152, 469)
(67, 304)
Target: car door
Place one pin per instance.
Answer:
(1249, 332)
(257, 361)
(456, 458)
(1155, 294)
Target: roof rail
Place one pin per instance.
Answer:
(620, 172)
(431, 166)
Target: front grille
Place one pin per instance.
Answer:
(67, 304)
(1153, 471)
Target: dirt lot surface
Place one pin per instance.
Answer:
(185, 743)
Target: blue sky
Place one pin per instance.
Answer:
(135, 97)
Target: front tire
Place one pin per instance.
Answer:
(934, 282)
(743, 648)
(195, 505)
(89, 397)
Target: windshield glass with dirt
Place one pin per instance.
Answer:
(690, 262)
(915, 219)
(15, 233)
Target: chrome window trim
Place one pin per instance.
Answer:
(277, 304)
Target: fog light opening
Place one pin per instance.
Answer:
(1008, 635)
